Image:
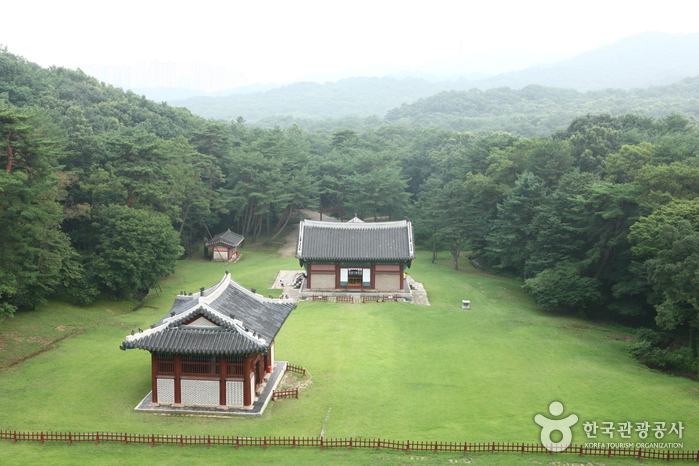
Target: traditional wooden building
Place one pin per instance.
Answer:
(213, 348)
(355, 255)
(224, 246)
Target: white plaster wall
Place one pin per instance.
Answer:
(386, 282)
(323, 282)
(234, 393)
(166, 390)
(200, 392)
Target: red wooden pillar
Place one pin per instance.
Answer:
(247, 373)
(268, 360)
(154, 371)
(260, 369)
(222, 366)
(178, 376)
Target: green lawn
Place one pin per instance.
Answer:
(389, 370)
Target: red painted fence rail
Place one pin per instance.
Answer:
(296, 369)
(285, 394)
(378, 444)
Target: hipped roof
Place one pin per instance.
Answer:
(226, 319)
(356, 241)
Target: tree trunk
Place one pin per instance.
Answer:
(10, 156)
(455, 252)
(131, 196)
(286, 221)
(184, 217)
(434, 247)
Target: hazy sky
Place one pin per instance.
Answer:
(277, 41)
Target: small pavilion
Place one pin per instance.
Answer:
(355, 255)
(224, 246)
(213, 348)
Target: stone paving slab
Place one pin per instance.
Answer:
(415, 292)
(258, 406)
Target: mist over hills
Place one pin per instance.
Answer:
(639, 61)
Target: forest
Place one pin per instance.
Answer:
(102, 190)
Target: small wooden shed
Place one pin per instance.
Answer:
(224, 246)
(213, 348)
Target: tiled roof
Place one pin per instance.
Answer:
(228, 238)
(381, 241)
(195, 341)
(243, 323)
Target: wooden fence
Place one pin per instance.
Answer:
(350, 299)
(285, 394)
(378, 444)
(296, 369)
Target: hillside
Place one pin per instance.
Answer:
(353, 96)
(538, 110)
(639, 61)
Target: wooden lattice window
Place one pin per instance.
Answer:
(195, 364)
(166, 364)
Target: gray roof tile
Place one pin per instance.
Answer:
(228, 238)
(247, 323)
(356, 241)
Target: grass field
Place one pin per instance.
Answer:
(388, 370)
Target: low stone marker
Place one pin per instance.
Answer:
(465, 304)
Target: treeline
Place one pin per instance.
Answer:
(598, 219)
(531, 111)
(102, 190)
(537, 110)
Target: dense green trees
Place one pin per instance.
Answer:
(101, 191)
(563, 212)
(35, 255)
(133, 249)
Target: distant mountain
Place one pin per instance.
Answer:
(353, 96)
(538, 110)
(642, 60)
(168, 94)
(638, 61)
